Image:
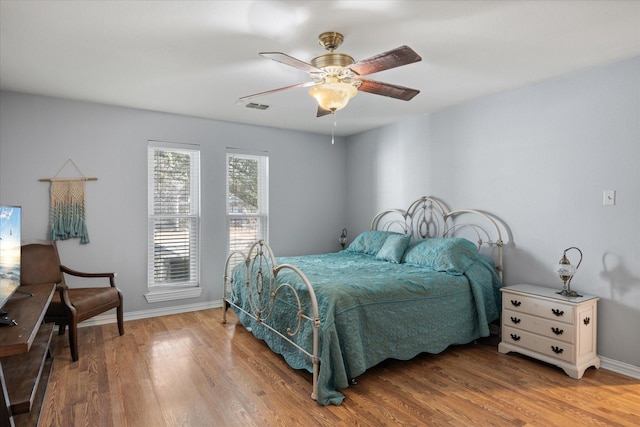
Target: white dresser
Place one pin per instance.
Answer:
(540, 323)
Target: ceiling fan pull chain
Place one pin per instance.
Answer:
(335, 123)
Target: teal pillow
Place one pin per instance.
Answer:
(394, 247)
(452, 255)
(369, 242)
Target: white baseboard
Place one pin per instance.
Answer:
(620, 367)
(605, 363)
(104, 319)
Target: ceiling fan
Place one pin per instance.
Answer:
(336, 77)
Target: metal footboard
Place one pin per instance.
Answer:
(262, 290)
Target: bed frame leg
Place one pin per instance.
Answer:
(224, 311)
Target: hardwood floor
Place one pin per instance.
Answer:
(192, 370)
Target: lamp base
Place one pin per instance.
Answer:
(569, 293)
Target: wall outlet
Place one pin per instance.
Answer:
(609, 197)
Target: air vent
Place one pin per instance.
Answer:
(257, 106)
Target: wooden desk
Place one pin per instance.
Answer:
(24, 352)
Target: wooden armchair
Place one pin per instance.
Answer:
(40, 264)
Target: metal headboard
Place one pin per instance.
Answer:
(429, 217)
(424, 218)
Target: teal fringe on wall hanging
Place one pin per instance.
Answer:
(67, 213)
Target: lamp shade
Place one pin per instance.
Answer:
(565, 269)
(333, 95)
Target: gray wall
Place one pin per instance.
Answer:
(38, 134)
(539, 158)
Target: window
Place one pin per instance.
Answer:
(174, 216)
(247, 198)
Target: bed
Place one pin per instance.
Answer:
(419, 280)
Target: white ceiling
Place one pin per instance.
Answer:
(198, 57)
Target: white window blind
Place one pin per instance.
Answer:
(247, 198)
(174, 214)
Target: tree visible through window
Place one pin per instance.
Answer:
(174, 215)
(247, 199)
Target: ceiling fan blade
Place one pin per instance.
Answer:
(305, 84)
(387, 89)
(291, 61)
(397, 57)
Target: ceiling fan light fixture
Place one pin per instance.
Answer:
(333, 96)
(336, 77)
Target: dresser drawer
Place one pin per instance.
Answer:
(539, 325)
(538, 307)
(548, 346)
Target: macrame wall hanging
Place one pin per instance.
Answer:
(67, 212)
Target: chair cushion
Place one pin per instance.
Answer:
(88, 302)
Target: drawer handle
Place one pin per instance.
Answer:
(586, 321)
(556, 350)
(557, 331)
(515, 320)
(515, 303)
(515, 337)
(557, 312)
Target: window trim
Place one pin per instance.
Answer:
(263, 215)
(192, 288)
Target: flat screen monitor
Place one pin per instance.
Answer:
(10, 228)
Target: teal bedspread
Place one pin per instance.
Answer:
(372, 310)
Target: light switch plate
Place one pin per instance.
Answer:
(609, 197)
